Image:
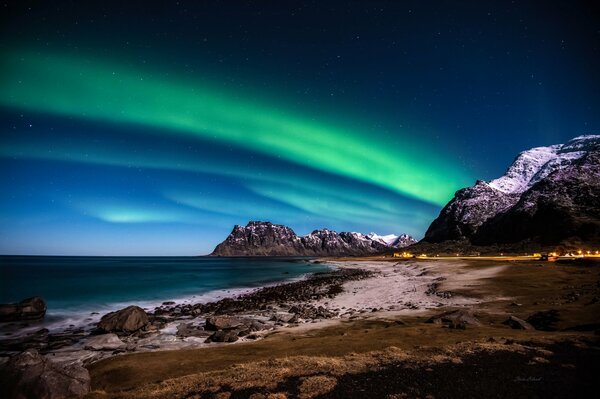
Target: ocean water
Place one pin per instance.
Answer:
(76, 287)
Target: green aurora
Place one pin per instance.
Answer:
(116, 93)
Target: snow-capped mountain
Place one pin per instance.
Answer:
(268, 239)
(536, 164)
(392, 240)
(547, 194)
(387, 239)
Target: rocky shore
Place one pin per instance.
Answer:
(398, 309)
(173, 326)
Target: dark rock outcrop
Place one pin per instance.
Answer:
(549, 196)
(563, 206)
(470, 208)
(29, 375)
(458, 319)
(223, 336)
(518, 324)
(268, 239)
(28, 309)
(545, 320)
(224, 323)
(127, 320)
(104, 342)
(189, 330)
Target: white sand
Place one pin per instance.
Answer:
(402, 286)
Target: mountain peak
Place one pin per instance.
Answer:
(267, 239)
(535, 164)
(547, 193)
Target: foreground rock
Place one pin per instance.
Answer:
(31, 376)
(127, 320)
(104, 342)
(189, 330)
(544, 320)
(224, 323)
(28, 309)
(223, 336)
(518, 324)
(456, 319)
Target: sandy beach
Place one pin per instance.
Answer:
(376, 317)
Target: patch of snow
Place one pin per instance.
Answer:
(387, 239)
(535, 164)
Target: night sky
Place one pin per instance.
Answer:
(129, 128)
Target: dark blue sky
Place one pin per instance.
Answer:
(151, 129)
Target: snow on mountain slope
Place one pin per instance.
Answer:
(403, 240)
(387, 239)
(535, 164)
(479, 205)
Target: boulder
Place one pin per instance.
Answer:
(518, 324)
(29, 375)
(284, 317)
(224, 336)
(456, 319)
(28, 309)
(104, 342)
(189, 330)
(127, 320)
(224, 323)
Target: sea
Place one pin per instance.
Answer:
(79, 290)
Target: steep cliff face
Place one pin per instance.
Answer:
(563, 205)
(468, 210)
(268, 239)
(547, 195)
(260, 239)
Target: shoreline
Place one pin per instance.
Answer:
(87, 316)
(346, 292)
(374, 341)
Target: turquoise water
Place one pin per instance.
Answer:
(75, 286)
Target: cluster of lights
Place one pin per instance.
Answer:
(579, 253)
(403, 255)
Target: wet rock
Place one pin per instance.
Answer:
(189, 330)
(127, 320)
(224, 336)
(257, 325)
(284, 317)
(224, 323)
(518, 324)
(323, 313)
(104, 342)
(304, 311)
(456, 319)
(37, 340)
(317, 286)
(28, 309)
(30, 375)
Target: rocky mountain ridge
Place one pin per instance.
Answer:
(268, 239)
(548, 195)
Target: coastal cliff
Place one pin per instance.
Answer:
(548, 196)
